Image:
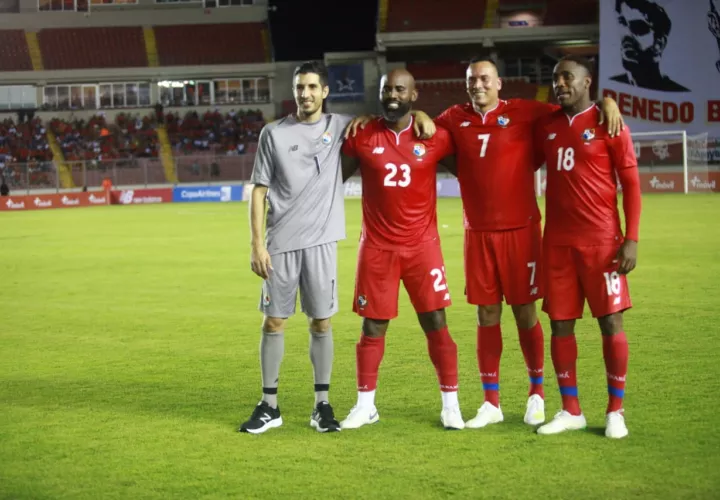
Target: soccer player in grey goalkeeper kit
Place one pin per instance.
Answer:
(298, 171)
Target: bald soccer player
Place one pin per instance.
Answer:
(399, 241)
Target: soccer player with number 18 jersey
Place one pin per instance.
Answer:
(399, 241)
(586, 255)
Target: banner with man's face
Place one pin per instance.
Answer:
(660, 60)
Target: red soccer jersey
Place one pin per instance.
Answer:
(495, 162)
(582, 159)
(399, 184)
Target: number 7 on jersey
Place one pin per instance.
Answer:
(485, 138)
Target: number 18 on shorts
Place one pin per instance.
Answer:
(576, 273)
(377, 282)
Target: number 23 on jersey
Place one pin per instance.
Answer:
(397, 177)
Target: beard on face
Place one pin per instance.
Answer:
(393, 115)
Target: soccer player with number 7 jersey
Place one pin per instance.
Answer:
(399, 241)
(495, 164)
(586, 255)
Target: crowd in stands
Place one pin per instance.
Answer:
(129, 136)
(225, 134)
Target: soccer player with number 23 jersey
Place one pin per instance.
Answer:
(399, 241)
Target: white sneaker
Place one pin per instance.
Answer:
(535, 412)
(615, 425)
(451, 418)
(486, 415)
(562, 422)
(360, 416)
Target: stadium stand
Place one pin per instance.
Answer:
(562, 12)
(235, 43)
(428, 15)
(14, 54)
(434, 96)
(76, 48)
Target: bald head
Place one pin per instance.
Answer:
(398, 77)
(397, 93)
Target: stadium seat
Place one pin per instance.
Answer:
(437, 70)
(187, 45)
(436, 96)
(74, 48)
(14, 55)
(429, 15)
(562, 12)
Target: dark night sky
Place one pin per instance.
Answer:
(305, 29)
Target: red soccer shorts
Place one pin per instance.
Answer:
(504, 263)
(377, 281)
(576, 273)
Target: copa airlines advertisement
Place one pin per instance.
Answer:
(660, 60)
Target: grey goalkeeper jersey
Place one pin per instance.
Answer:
(300, 164)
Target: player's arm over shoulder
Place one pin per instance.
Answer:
(445, 119)
(349, 156)
(446, 150)
(536, 109)
(621, 149)
(539, 137)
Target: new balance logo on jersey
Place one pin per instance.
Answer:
(465, 124)
(378, 151)
(534, 290)
(293, 148)
(551, 137)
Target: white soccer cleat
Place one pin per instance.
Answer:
(615, 427)
(451, 418)
(360, 416)
(563, 421)
(486, 415)
(535, 412)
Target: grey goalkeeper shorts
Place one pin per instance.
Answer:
(312, 271)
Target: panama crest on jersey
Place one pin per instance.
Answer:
(589, 134)
(362, 301)
(503, 120)
(418, 149)
(326, 138)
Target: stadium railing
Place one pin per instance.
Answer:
(30, 177)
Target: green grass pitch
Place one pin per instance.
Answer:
(129, 355)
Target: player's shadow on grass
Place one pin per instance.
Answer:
(599, 431)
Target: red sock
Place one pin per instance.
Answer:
(615, 352)
(369, 353)
(443, 353)
(533, 348)
(564, 356)
(489, 350)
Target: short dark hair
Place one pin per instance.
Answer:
(479, 59)
(580, 61)
(316, 67)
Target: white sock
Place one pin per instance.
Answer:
(366, 399)
(450, 399)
